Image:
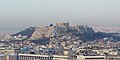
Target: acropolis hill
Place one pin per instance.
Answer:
(84, 32)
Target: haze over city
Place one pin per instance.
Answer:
(18, 14)
(59, 30)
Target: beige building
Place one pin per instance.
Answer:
(4, 51)
(41, 57)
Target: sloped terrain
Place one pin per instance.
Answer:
(82, 31)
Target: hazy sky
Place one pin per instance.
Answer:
(18, 14)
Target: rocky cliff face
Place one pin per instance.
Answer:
(49, 31)
(52, 31)
(84, 29)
